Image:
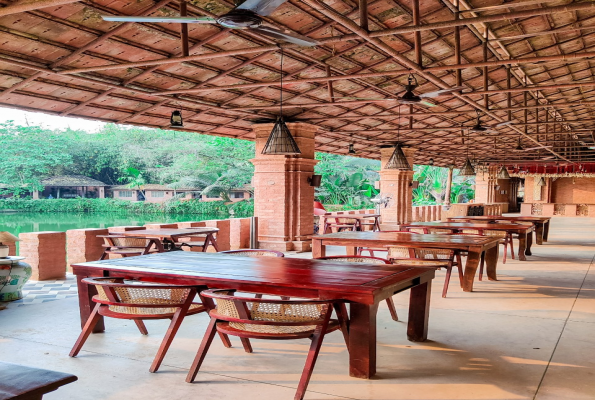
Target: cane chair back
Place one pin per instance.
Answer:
(137, 301)
(471, 231)
(440, 231)
(129, 246)
(253, 253)
(258, 318)
(495, 233)
(434, 254)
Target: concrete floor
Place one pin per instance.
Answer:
(530, 335)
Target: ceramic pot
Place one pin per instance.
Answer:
(14, 273)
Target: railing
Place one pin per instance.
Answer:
(558, 209)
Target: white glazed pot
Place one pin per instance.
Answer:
(3, 251)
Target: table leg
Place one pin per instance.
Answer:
(529, 243)
(419, 312)
(362, 340)
(546, 230)
(471, 265)
(318, 249)
(491, 260)
(351, 251)
(86, 293)
(522, 246)
(539, 232)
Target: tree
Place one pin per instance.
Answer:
(28, 154)
(432, 186)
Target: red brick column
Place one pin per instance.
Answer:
(46, 253)
(12, 249)
(239, 235)
(83, 245)
(282, 196)
(396, 184)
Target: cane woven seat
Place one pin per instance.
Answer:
(471, 231)
(440, 231)
(417, 230)
(411, 262)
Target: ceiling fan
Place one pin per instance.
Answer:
(480, 128)
(411, 98)
(247, 15)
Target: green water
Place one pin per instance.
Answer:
(19, 222)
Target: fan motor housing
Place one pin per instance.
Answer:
(240, 19)
(409, 98)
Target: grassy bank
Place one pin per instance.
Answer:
(80, 205)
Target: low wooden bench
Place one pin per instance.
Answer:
(18, 382)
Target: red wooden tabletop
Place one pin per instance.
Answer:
(168, 233)
(350, 281)
(502, 218)
(470, 225)
(400, 237)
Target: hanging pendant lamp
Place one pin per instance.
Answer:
(503, 174)
(280, 141)
(351, 149)
(176, 119)
(398, 160)
(541, 182)
(467, 168)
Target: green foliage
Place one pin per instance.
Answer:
(23, 161)
(81, 205)
(432, 186)
(347, 181)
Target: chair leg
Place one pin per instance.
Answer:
(87, 329)
(343, 319)
(141, 326)
(511, 247)
(505, 248)
(202, 350)
(169, 337)
(460, 268)
(392, 309)
(446, 280)
(247, 345)
(481, 266)
(317, 339)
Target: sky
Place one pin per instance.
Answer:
(48, 121)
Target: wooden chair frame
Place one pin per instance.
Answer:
(102, 308)
(110, 247)
(220, 323)
(253, 253)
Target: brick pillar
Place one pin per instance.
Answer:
(485, 186)
(282, 196)
(83, 245)
(46, 253)
(396, 184)
(239, 236)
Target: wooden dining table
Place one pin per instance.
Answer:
(474, 245)
(363, 286)
(523, 231)
(170, 237)
(542, 224)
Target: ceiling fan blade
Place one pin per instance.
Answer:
(260, 7)
(538, 147)
(506, 123)
(427, 104)
(288, 36)
(507, 5)
(442, 92)
(174, 20)
(365, 98)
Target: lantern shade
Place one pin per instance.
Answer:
(351, 149)
(7, 237)
(280, 141)
(503, 174)
(398, 160)
(541, 182)
(467, 169)
(176, 119)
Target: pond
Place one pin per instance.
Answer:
(20, 222)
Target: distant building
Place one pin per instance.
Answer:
(71, 186)
(154, 193)
(234, 195)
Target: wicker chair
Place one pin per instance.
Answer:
(127, 246)
(248, 317)
(137, 301)
(418, 230)
(428, 258)
(339, 223)
(440, 231)
(371, 250)
(505, 239)
(367, 260)
(253, 253)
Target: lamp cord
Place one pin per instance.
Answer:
(281, 92)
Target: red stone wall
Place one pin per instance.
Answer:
(46, 253)
(282, 196)
(83, 245)
(573, 191)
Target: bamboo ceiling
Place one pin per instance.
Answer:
(60, 57)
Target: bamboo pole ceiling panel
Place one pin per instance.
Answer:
(529, 63)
